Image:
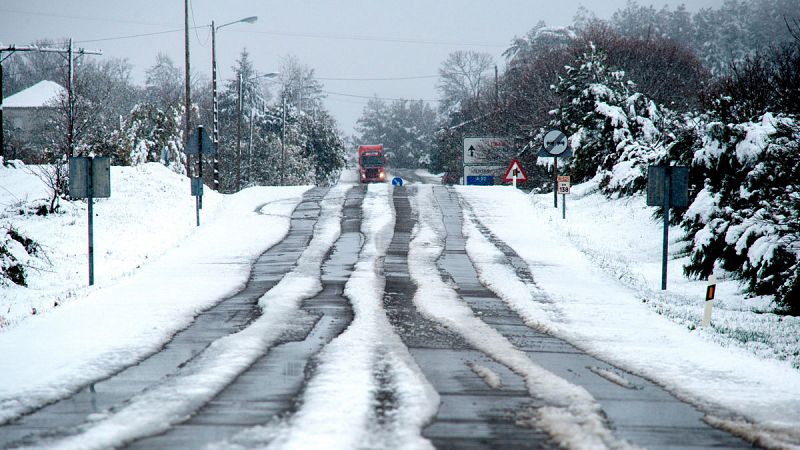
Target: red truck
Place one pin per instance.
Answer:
(370, 163)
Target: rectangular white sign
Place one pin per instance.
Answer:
(486, 150)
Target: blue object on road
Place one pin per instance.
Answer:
(397, 181)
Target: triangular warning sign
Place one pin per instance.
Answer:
(515, 169)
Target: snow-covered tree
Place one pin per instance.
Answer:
(150, 134)
(746, 219)
(405, 128)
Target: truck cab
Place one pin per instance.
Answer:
(371, 163)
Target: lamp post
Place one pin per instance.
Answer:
(239, 124)
(215, 131)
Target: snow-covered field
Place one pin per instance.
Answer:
(601, 269)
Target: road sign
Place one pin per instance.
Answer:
(486, 150)
(667, 186)
(555, 144)
(678, 185)
(482, 175)
(203, 144)
(197, 186)
(397, 181)
(90, 178)
(563, 184)
(515, 173)
(79, 169)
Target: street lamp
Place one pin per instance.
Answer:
(215, 134)
(239, 125)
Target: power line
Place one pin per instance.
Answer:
(378, 98)
(130, 36)
(376, 39)
(418, 77)
(65, 16)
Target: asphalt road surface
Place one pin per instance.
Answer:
(472, 412)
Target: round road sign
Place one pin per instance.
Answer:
(555, 142)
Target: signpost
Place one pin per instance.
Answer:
(481, 156)
(555, 145)
(515, 172)
(199, 144)
(90, 178)
(563, 189)
(667, 186)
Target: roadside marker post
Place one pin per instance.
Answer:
(711, 290)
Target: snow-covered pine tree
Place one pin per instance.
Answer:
(615, 132)
(746, 218)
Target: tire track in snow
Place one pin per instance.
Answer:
(198, 381)
(228, 316)
(570, 414)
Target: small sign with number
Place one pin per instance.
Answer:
(563, 184)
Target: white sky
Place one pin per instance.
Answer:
(338, 38)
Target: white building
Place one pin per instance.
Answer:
(25, 114)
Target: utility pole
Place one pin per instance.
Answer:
(239, 139)
(214, 112)
(283, 137)
(10, 50)
(188, 95)
(496, 89)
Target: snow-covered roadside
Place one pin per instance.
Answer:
(149, 212)
(339, 402)
(590, 307)
(118, 323)
(156, 409)
(572, 416)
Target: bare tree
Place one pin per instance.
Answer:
(463, 76)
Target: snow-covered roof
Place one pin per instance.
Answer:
(43, 93)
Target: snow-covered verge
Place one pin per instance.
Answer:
(149, 212)
(600, 272)
(154, 274)
(571, 415)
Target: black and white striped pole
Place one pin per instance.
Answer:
(711, 289)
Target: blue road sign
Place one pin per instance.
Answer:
(480, 180)
(397, 181)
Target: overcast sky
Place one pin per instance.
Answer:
(338, 38)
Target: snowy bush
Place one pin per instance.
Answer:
(15, 253)
(747, 216)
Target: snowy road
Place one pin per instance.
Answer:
(370, 326)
